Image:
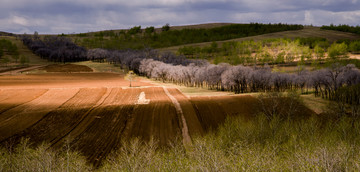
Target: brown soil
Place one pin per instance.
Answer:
(104, 126)
(21, 117)
(212, 111)
(67, 80)
(157, 120)
(95, 112)
(13, 97)
(189, 112)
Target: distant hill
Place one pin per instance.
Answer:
(6, 34)
(138, 38)
(158, 29)
(307, 32)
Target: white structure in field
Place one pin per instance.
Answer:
(142, 99)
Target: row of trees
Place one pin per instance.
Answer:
(169, 67)
(338, 82)
(54, 48)
(239, 79)
(343, 28)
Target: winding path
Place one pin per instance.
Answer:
(185, 130)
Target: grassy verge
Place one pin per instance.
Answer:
(317, 104)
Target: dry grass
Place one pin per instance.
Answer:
(317, 104)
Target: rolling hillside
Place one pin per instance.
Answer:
(23, 50)
(307, 32)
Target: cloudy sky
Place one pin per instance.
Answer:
(69, 16)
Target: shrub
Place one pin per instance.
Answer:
(354, 47)
(41, 158)
(336, 51)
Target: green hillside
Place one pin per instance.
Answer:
(23, 51)
(139, 38)
(307, 32)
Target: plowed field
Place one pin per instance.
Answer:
(94, 112)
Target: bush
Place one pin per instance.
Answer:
(336, 51)
(354, 47)
(134, 30)
(149, 30)
(41, 158)
(284, 105)
(166, 27)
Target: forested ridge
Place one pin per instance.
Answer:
(343, 28)
(137, 38)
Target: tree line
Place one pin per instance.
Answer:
(137, 38)
(343, 28)
(55, 48)
(168, 67)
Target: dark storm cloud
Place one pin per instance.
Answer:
(67, 16)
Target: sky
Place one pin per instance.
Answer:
(80, 16)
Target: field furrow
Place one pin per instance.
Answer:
(212, 111)
(193, 123)
(157, 120)
(58, 123)
(21, 117)
(10, 98)
(105, 131)
(208, 111)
